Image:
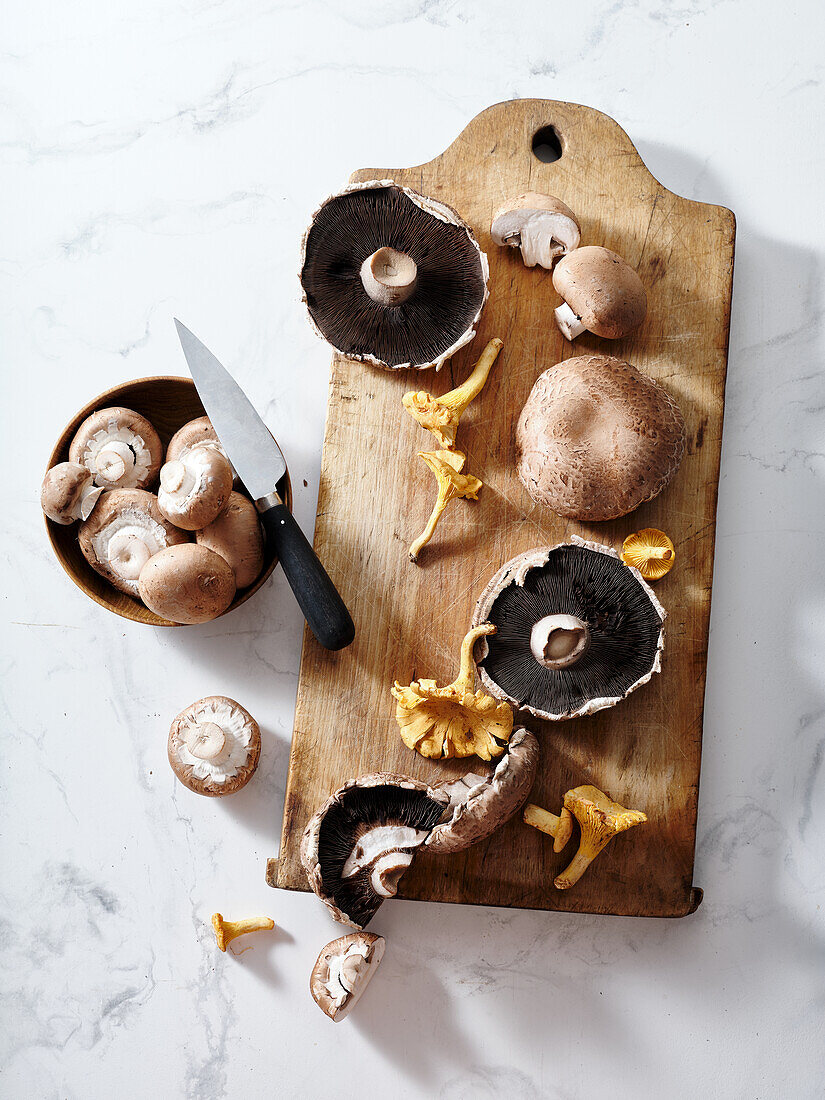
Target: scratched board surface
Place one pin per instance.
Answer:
(375, 496)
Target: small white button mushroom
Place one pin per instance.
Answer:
(543, 227)
(68, 493)
(120, 448)
(602, 294)
(236, 535)
(194, 488)
(187, 584)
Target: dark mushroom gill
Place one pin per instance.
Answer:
(448, 294)
(604, 593)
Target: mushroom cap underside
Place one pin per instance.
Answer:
(451, 280)
(230, 769)
(596, 438)
(590, 582)
(344, 852)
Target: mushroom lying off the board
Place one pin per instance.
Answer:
(543, 227)
(195, 488)
(120, 448)
(545, 603)
(195, 433)
(602, 294)
(391, 277)
(596, 438)
(214, 746)
(343, 970)
(228, 930)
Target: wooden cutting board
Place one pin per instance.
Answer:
(375, 496)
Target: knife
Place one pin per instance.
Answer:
(258, 460)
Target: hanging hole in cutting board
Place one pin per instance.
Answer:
(547, 145)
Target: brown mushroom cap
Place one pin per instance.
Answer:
(543, 227)
(68, 493)
(602, 290)
(224, 758)
(237, 536)
(123, 532)
(343, 970)
(130, 437)
(450, 278)
(597, 438)
(195, 488)
(195, 433)
(485, 806)
(187, 584)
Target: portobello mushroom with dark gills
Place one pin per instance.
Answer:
(391, 277)
(577, 631)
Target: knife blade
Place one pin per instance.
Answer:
(260, 465)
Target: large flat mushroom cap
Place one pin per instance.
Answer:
(597, 438)
(451, 282)
(358, 844)
(581, 579)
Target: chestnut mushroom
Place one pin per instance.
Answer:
(195, 488)
(602, 294)
(214, 746)
(68, 493)
(120, 447)
(343, 970)
(187, 584)
(237, 536)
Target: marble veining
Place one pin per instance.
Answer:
(161, 159)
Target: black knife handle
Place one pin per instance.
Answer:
(324, 610)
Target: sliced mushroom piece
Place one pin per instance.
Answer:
(543, 227)
(481, 804)
(120, 447)
(590, 583)
(124, 531)
(342, 972)
(602, 294)
(391, 277)
(214, 746)
(358, 845)
(187, 584)
(597, 438)
(195, 488)
(237, 536)
(68, 493)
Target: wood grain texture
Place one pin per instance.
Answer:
(375, 496)
(167, 403)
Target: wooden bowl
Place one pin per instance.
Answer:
(167, 403)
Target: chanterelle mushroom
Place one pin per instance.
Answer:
(599, 818)
(228, 930)
(343, 970)
(195, 488)
(358, 845)
(597, 438)
(68, 493)
(120, 447)
(124, 531)
(440, 415)
(650, 551)
(481, 804)
(543, 227)
(187, 584)
(392, 277)
(446, 465)
(444, 722)
(602, 293)
(214, 746)
(578, 631)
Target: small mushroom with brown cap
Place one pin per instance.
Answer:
(214, 746)
(479, 804)
(597, 438)
(543, 227)
(120, 448)
(195, 433)
(361, 841)
(124, 531)
(195, 488)
(343, 970)
(599, 818)
(236, 535)
(602, 294)
(68, 493)
(187, 584)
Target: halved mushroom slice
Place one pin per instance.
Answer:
(120, 447)
(68, 493)
(536, 661)
(342, 972)
(126, 529)
(543, 227)
(362, 840)
(391, 277)
(480, 804)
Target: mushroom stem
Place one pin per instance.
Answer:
(228, 930)
(466, 673)
(559, 828)
(113, 460)
(559, 641)
(570, 325)
(389, 276)
(459, 398)
(207, 741)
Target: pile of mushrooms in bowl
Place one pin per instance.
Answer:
(143, 512)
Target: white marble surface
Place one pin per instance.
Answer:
(162, 158)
